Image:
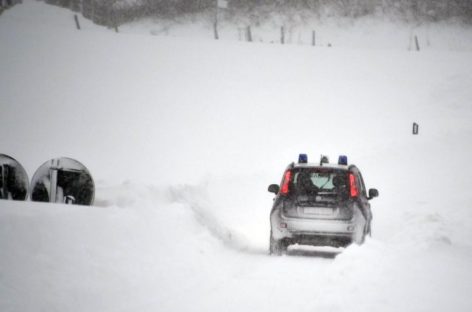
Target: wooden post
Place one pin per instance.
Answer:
(77, 24)
(215, 24)
(416, 43)
(313, 38)
(215, 30)
(415, 128)
(249, 34)
(114, 20)
(282, 35)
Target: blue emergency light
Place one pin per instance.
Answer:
(302, 158)
(342, 160)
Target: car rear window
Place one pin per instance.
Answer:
(320, 181)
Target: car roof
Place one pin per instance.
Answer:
(324, 165)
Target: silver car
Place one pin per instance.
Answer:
(320, 204)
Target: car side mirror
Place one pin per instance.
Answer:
(373, 193)
(274, 188)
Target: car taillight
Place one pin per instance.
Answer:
(285, 183)
(353, 185)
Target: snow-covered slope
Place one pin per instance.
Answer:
(183, 136)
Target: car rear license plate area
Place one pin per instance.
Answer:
(321, 211)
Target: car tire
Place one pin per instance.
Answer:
(277, 247)
(362, 241)
(369, 231)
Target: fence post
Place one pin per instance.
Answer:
(77, 24)
(215, 30)
(249, 34)
(416, 43)
(313, 38)
(415, 128)
(282, 35)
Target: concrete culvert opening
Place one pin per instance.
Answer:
(63, 180)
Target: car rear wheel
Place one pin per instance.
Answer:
(367, 232)
(359, 235)
(277, 247)
(369, 229)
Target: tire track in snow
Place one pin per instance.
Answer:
(195, 197)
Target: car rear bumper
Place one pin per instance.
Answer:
(320, 239)
(317, 231)
(288, 227)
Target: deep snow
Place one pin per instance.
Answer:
(183, 135)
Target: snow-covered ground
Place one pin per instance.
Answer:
(183, 136)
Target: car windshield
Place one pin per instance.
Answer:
(320, 181)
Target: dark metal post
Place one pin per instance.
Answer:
(249, 34)
(415, 128)
(77, 21)
(215, 24)
(416, 43)
(215, 29)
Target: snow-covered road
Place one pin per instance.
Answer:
(183, 136)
